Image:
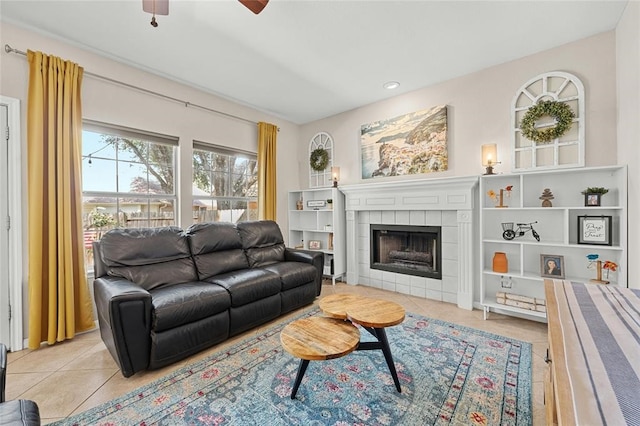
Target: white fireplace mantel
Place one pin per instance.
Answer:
(407, 198)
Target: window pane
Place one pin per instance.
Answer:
(220, 184)
(161, 174)
(99, 175)
(239, 165)
(131, 149)
(95, 146)
(132, 177)
(220, 162)
(224, 187)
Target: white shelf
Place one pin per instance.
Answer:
(309, 224)
(556, 225)
(523, 312)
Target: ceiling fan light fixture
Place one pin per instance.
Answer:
(390, 85)
(155, 7)
(255, 6)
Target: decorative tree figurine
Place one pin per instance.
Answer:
(546, 196)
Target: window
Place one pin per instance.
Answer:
(225, 185)
(128, 180)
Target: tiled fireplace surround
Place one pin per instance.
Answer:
(448, 202)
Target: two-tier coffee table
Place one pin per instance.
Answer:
(322, 338)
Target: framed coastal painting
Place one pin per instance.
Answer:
(408, 144)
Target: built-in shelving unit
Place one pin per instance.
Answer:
(557, 226)
(315, 224)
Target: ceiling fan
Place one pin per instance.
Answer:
(161, 7)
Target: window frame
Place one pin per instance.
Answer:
(146, 199)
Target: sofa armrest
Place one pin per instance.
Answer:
(314, 258)
(124, 315)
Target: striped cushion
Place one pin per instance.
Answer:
(601, 331)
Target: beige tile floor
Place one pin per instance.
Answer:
(79, 374)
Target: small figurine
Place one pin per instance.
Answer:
(499, 197)
(546, 196)
(599, 265)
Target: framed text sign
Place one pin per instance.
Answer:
(594, 230)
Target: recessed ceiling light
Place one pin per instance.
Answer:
(391, 85)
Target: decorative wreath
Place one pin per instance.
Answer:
(562, 113)
(319, 159)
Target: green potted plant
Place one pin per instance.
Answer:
(593, 195)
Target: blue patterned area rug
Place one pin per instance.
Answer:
(450, 375)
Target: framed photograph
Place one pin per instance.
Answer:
(594, 230)
(552, 266)
(592, 200)
(315, 245)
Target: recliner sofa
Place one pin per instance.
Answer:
(21, 412)
(163, 294)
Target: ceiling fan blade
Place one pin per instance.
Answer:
(157, 7)
(255, 6)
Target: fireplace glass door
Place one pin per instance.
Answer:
(411, 250)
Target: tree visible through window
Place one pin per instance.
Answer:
(225, 185)
(128, 180)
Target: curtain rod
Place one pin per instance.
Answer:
(10, 49)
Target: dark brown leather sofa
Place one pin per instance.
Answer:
(163, 294)
(21, 412)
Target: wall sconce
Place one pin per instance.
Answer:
(335, 175)
(489, 157)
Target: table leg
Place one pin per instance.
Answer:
(383, 344)
(304, 363)
(386, 350)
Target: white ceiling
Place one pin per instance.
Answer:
(303, 60)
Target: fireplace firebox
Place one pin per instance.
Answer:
(406, 249)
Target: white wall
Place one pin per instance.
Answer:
(628, 80)
(479, 110)
(115, 104)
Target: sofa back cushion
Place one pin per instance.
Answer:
(262, 242)
(216, 248)
(149, 257)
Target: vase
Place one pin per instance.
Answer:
(500, 262)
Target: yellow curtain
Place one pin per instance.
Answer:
(59, 299)
(267, 135)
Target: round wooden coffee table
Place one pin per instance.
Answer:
(373, 315)
(317, 339)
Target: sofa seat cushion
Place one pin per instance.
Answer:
(248, 285)
(292, 274)
(184, 303)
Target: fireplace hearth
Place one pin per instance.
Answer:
(406, 249)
